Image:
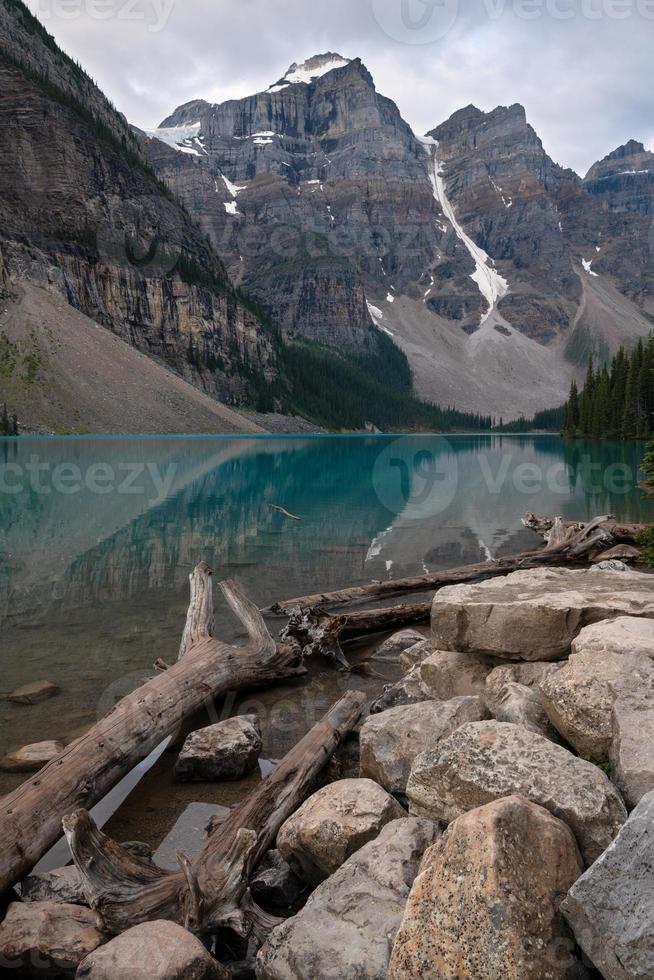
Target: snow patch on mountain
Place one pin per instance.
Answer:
(490, 283)
(234, 189)
(184, 139)
(588, 266)
(375, 313)
(310, 70)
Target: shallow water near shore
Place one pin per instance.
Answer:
(98, 537)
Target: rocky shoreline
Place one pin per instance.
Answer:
(492, 818)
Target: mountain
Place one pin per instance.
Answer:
(469, 247)
(85, 220)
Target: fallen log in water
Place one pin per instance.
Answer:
(570, 548)
(30, 817)
(319, 632)
(210, 891)
(621, 533)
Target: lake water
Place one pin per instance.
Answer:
(98, 537)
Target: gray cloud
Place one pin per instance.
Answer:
(582, 68)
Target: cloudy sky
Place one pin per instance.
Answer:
(583, 68)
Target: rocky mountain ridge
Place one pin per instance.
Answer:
(335, 216)
(84, 217)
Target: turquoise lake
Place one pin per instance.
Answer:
(98, 537)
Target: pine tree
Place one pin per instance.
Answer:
(572, 410)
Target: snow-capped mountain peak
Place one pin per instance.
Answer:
(310, 69)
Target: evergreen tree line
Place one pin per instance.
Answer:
(8, 424)
(343, 391)
(617, 400)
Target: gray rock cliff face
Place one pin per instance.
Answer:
(83, 214)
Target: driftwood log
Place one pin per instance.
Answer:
(620, 532)
(319, 632)
(30, 817)
(210, 891)
(574, 548)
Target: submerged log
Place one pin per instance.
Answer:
(570, 548)
(81, 775)
(210, 891)
(319, 632)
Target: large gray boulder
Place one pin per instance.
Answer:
(347, 927)
(390, 741)
(333, 824)
(415, 654)
(632, 748)
(452, 674)
(153, 951)
(486, 901)
(608, 661)
(487, 760)
(611, 908)
(392, 648)
(524, 672)
(520, 705)
(47, 939)
(228, 750)
(535, 615)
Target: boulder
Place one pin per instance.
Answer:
(535, 615)
(228, 750)
(579, 698)
(486, 901)
(621, 552)
(395, 645)
(632, 748)
(486, 760)
(609, 662)
(48, 939)
(275, 886)
(610, 565)
(624, 635)
(526, 673)
(448, 674)
(408, 690)
(347, 927)
(390, 741)
(33, 693)
(610, 908)
(416, 654)
(153, 951)
(520, 705)
(31, 758)
(61, 885)
(333, 824)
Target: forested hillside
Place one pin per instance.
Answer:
(617, 400)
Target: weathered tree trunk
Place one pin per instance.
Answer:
(211, 891)
(620, 532)
(319, 632)
(569, 549)
(30, 817)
